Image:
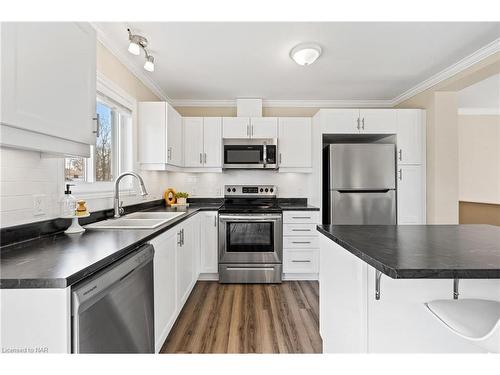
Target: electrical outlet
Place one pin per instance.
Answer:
(39, 205)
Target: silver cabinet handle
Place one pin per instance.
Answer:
(182, 237)
(201, 158)
(301, 217)
(301, 242)
(300, 261)
(205, 158)
(280, 158)
(248, 130)
(215, 220)
(400, 154)
(363, 122)
(97, 130)
(359, 126)
(301, 230)
(251, 133)
(400, 174)
(179, 243)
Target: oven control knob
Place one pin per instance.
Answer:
(271, 190)
(261, 190)
(228, 190)
(266, 190)
(234, 190)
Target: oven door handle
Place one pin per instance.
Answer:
(250, 218)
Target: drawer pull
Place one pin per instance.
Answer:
(301, 230)
(300, 261)
(301, 217)
(301, 241)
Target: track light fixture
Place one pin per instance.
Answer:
(138, 42)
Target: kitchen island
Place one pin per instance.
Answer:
(374, 281)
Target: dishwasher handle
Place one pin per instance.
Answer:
(88, 291)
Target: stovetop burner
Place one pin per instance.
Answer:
(250, 198)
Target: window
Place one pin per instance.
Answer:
(112, 153)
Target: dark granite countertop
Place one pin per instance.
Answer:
(423, 251)
(60, 260)
(296, 204)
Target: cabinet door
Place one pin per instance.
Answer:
(152, 125)
(295, 142)
(187, 261)
(264, 127)
(212, 142)
(193, 141)
(411, 199)
(409, 136)
(174, 137)
(236, 127)
(341, 121)
(48, 72)
(208, 243)
(378, 121)
(165, 300)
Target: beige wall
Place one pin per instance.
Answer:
(479, 158)
(440, 102)
(231, 111)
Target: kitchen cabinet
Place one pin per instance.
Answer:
(264, 127)
(202, 142)
(378, 121)
(235, 127)
(340, 121)
(48, 106)
(208, 242)
(410, 194)
(294, 143)
(164, 285)
(186, 258)
(246, 127)
(160, 136)
(410, 131)
(359, 121)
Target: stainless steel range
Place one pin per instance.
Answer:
(250, 235)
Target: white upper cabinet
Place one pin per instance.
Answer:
(193, 141)
(48, 86)
(160, 136)
(236, 127)
(378, 121)
(264, 127)
(202, 142)
(410, 130)
(341, 121)
(212, 142)
(294, 143)
(411, 194)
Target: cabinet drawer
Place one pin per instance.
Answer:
(304, 217)
(299, 230)
(300, 261)
(293, 242)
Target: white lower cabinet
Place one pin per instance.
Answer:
(300, 245)
(208, 242)
(175, 274)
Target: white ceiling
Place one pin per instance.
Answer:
(360, 61)
(484, 94)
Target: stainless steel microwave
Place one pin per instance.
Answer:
(250, 153)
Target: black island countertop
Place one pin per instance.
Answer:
(423, 251)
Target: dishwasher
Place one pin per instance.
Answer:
(113, 310)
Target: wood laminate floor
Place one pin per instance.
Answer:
(248, 318)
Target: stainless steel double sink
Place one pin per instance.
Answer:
(136, 220)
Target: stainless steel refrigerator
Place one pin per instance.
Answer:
(361, 184)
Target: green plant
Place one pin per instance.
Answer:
(181, 194)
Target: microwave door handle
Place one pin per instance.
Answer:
(264, 155)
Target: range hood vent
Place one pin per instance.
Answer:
(249, 107)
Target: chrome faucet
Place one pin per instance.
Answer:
(117, 204)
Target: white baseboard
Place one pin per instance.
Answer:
(300, 276)
(208, 277)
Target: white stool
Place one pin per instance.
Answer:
(477, 320)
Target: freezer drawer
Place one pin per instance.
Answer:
(362, 166)
(359, 208)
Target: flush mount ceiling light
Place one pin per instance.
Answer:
(305, 54)
(136, 43)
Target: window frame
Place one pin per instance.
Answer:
(103, 189)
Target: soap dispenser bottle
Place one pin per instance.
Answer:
(68, 203)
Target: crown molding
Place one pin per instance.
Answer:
(456, 68)
(129, 64)
(479, 111)
(287, 103)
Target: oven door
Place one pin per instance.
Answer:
(250, 238)
(244, 156)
